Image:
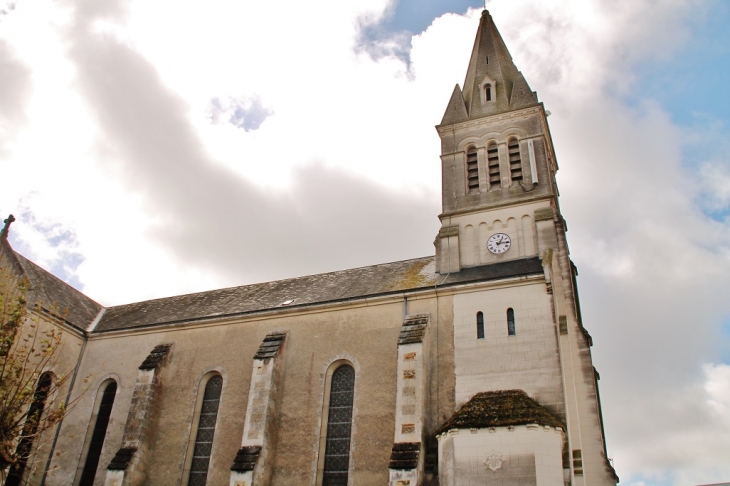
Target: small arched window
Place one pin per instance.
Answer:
(493, 165)
(206, 428)
(515, 161)
(30, 428)
(488, 91)
(96, 442)
(510, 322)
(472, 170)
(480, 325)
(339, 426)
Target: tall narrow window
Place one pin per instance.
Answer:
(515, 161)
(339, 426)
(510, 322)
(480, 325)
(206, 429)
(25, 446)
(97, 437)
(493, 166)
(488, 91)
(472, 169)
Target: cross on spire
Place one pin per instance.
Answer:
(6, 228)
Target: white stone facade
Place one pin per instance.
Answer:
(522, 455)
(528, 360)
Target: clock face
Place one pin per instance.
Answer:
(498, 243)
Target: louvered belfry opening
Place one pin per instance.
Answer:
(515, 162)
(206, 429)
(472, 169)
(493, 165)
(339, 426)
(97, 437)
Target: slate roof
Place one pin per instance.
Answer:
(500, 409)
(47, 289)
(341, 286)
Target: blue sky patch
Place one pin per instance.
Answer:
(695, 79)
(248, 114)
(392, 36)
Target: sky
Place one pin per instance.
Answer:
(152, 148)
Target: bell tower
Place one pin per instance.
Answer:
(498, 165)
(520, 338)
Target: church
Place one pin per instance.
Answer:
(468, 367)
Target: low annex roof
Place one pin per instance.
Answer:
(500, 409)
(344, 285)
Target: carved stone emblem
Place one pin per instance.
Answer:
(494, 461)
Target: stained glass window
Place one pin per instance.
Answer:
(25, 445)
(97, 437)
(339, 426)
(206, 429)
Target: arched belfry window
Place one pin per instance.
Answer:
(510, 322)
(488, 91)
(207, 417)
(493, 166)
(336, 464)
(96, 442)
(480, 325)
(30, 428)
(515, 161)
(472, 169)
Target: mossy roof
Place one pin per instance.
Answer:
(500, 409)
(341, 286)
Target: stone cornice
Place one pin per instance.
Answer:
(538, 108)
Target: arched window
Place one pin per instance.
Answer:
(510, 322)
(480, 325)
(472, 169)
(488, 91)
(25, 446)
(336, 462)
(493, 165)
(207, 417)
(96, 441)
(515, 161)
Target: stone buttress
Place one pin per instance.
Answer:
(129, 465)
(252, 466)
(408, 454)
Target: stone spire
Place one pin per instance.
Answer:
(493, 83)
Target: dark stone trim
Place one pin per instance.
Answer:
(122, 459)
(246, 459)
(156, 356)
(413, 330)
(404, 456)
(270, 345)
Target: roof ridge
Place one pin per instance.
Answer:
(290, 279)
